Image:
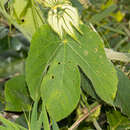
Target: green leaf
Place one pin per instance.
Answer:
(122, 99)
(22, 120)
(43, 48)
(11, 125)
(88, 87)
(16, 95)
(60, 82)
(26, 15)
(90, 56)
(116, 120)
(61, 86)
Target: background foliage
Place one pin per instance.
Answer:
(111, 19)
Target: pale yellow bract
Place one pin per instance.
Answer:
(62, 17)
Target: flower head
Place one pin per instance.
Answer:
(62, 17)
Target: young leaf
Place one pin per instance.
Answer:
(16, 95)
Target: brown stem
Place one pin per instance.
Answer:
(75, 125)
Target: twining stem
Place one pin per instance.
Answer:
(97, 126)
(75, 125)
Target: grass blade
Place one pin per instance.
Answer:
(98, 17)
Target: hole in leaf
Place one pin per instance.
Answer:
(22, 20)
(52, 76)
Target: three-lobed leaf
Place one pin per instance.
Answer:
(52, 68)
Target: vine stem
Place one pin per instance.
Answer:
(97, 126)
(75, 125)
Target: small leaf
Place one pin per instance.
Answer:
(16, 95)
(26, 15)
